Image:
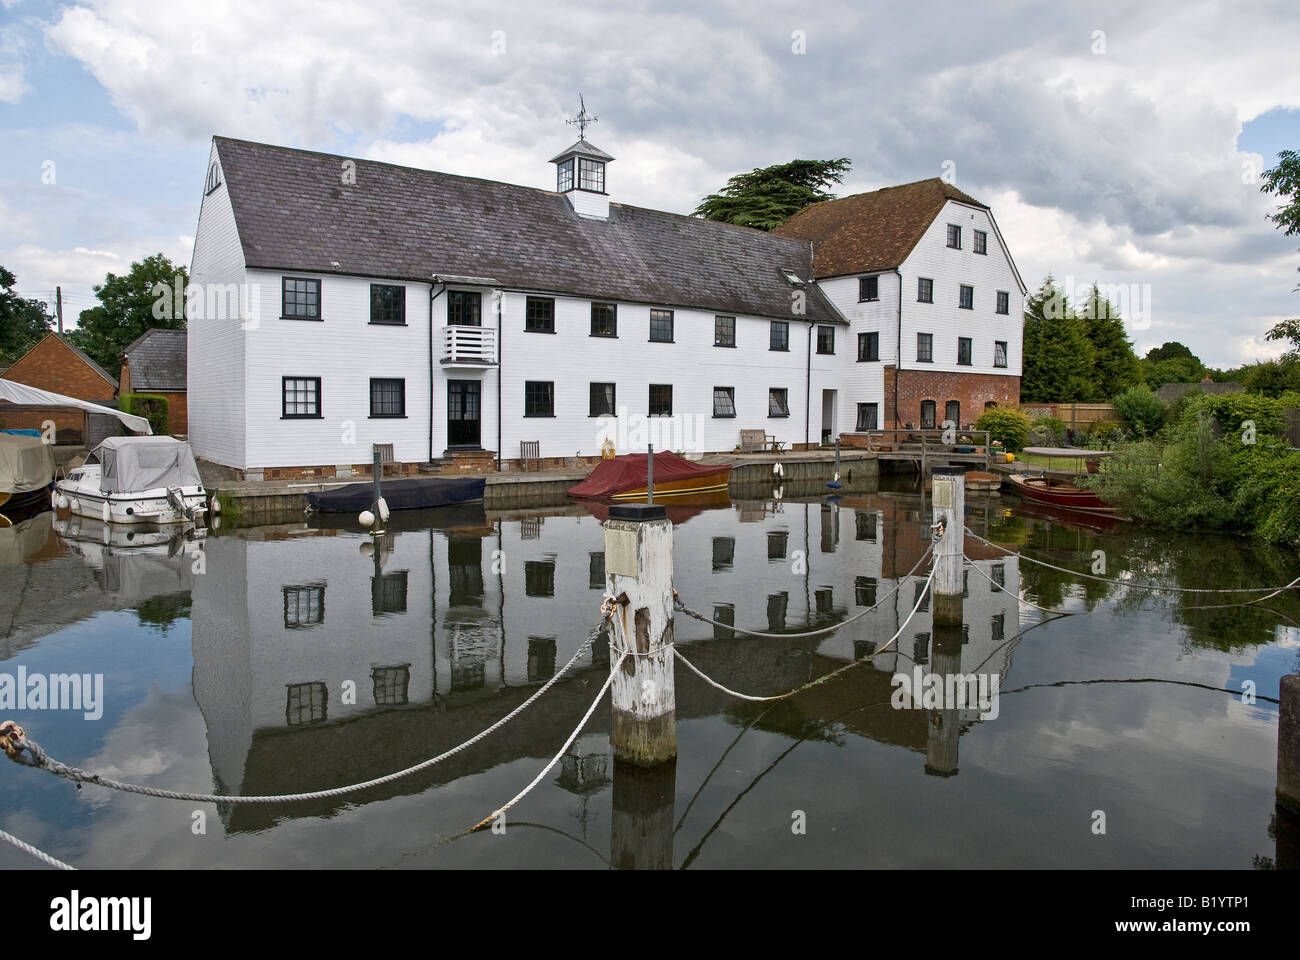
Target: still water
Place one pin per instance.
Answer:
(227, 663)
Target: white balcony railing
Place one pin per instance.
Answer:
(464, 346)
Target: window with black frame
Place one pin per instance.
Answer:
(564, 176)
(539, 398)
(927, 414)
(963, 351)
(388, 304)
(778, 404)
(925, 348)
(825, 339)
(868, 416)
(539, 578)
(464, 308)
(779, 336)
(661, 400)
(300, 397)
(868, 288)
(868, 346)
(661, 326)
(999, 353)
(300, 299)
(539, 315)
(604, 320)
(602, 400)
(387, 398)
(724, 331)
(591, 175)
(724, 401)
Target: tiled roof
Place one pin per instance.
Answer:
(871, 231)
(293, 212)
(157, 359)
(584, 148)
(86, 359)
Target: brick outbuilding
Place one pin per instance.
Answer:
(56, 365)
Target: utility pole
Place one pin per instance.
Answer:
(58, 300)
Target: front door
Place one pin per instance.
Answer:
(464, 413)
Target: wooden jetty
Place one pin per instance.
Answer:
(930, 448)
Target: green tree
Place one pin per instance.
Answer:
(767, 197)
(23, 322)
(144, 298)
(1058, 356)
(1171, 362)
(1115, 365)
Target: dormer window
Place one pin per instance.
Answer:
(591, 175)
(564, 176)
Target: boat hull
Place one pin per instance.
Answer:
(1059, 493)
(414, 493)
(148, 506)
(689, 486)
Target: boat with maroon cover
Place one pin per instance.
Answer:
(624, 478)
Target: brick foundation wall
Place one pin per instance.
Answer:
(972, 390)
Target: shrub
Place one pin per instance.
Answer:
(1141, 411)
(1009, 426)
(1052, 428)
(148, 405)
(1106, 434)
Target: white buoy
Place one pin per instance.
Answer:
(54, 500)
(366, 519)
(382, 506)
(107, 513)
(367, 548)
(215, 506)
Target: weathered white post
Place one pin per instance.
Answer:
(641, 825)
(639, 575)
(948, 498)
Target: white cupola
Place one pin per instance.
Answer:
(580, 176)
(580, 173)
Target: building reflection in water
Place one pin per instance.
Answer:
(310, 641)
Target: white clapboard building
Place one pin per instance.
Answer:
(337, 303)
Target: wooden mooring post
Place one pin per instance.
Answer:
(948, 498)
(639, 576)
(1288, 744)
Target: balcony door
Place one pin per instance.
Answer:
(464, 413)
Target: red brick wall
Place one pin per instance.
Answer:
(69, 422)
(178, 418)
(52, 365)
(971, 390)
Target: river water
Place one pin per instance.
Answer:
(305, 656)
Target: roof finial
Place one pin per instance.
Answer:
(583, 118)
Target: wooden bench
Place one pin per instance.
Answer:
(386, 457)
(530, 454)
(757, 441)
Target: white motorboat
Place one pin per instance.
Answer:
(135, 480)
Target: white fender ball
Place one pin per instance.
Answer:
(366, 519)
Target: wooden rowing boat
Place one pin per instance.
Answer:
(1057, 492)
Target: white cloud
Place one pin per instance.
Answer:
(1118, 166)
(13, 48)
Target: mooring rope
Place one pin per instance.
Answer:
(38, 854)
(15, 744)
(499, 811)
(825, 677)
(1136, 583)
(695, 614)
(1002, 587)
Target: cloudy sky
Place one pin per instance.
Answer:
(1114, 143)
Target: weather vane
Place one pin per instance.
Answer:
(582, 119)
